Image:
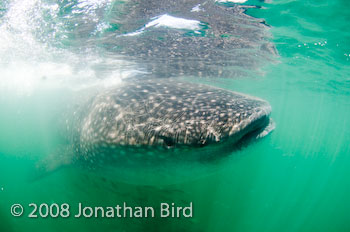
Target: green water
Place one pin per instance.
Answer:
(295, 179)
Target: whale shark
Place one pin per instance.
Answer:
(169, 114)
(159, 120)
(157, 124)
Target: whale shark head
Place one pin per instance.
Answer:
(168, 115)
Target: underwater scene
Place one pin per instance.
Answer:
(174, 115)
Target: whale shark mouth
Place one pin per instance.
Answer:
(258, 125)
(257, 130)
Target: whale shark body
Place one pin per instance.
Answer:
(157, 131)
(165, 117)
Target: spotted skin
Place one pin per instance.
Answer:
(166, 114)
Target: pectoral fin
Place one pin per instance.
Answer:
(53, 162)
